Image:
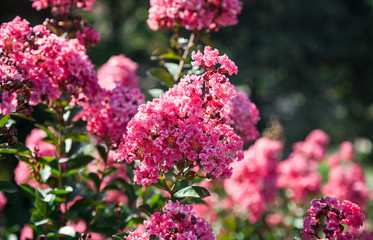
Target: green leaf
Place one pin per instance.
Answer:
(145, 208)
(6, 186)
(27, 188)
(95, 179)
(65, 190)
(102, 151)
(17, 149)
(78, 137)
(164, 53)
(192, 192)
(161, 75)
(81, 160)
(4, 120)
(172, 68)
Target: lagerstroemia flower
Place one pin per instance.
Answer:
(330, 215)
(62, 7)
(243, 115)
(118, 71)
(185, 127)
(298, 174)
(193, 14)
(253, 182)
(178, 221)
(45, 63)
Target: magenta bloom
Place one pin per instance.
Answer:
(3, 201)
(193, 14)
(253, 182)
(44, 63)
(62, 7)
(108, 115)
(137, 236)
(185, 128)
(118, 71)
(335, 215)
(178, 221)
(244, 116)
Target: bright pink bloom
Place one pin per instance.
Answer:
(314, 147)
(347, 182)
(178, 221)
(346, 153)
(118, 71)
(185, 127)
(137, 236)
(244, 116)
(26, 233)
(62, 7)
(107, 117)
(3, 201)
(8, 104)
(335, 215)
(253, 182)
(193, 14)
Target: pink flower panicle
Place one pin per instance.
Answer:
(243, 115)
(178, 221)
(107, 117)
(44, 64)
(253, 182)
(193, 14)
(184, 128)
(330, 215)
(118, 71)
(62, 7)
(298, 174)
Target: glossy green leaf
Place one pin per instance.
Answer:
(161, 75)
(4, 120)
(164, 53)
(17, 149)
(6, 186)
(192, 192)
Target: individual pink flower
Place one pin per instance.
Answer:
(8, 104)
(244, 116)
(3, 201)
(253, 182)
(26, 233)
(335, 215)
(178, 221)
(193, 14)
(118, 71)
(184, 127)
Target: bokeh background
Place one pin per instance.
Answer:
(305, 64)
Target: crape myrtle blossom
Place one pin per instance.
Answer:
(185, 127)
(52, 64)
(298, 174)
(177, 221)
(63, 7)
(346, 179)
(253, 182)
(193, 14)
(3, 201)
(118, 71)
(244, 115)
(329, 215)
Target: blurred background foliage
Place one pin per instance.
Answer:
(307, 64)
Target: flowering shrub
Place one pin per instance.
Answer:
(102, 163)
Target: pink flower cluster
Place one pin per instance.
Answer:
(346, 179)
(330, 215)
(3, 201)
(118, 71)
(137, 236)
(253, 182)
(178, 221)
(243, 115)
(107, 117)
(63, 7)
(116, 103)
(193, 14)
(298, 174)
(51, 63)
(186, 126)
